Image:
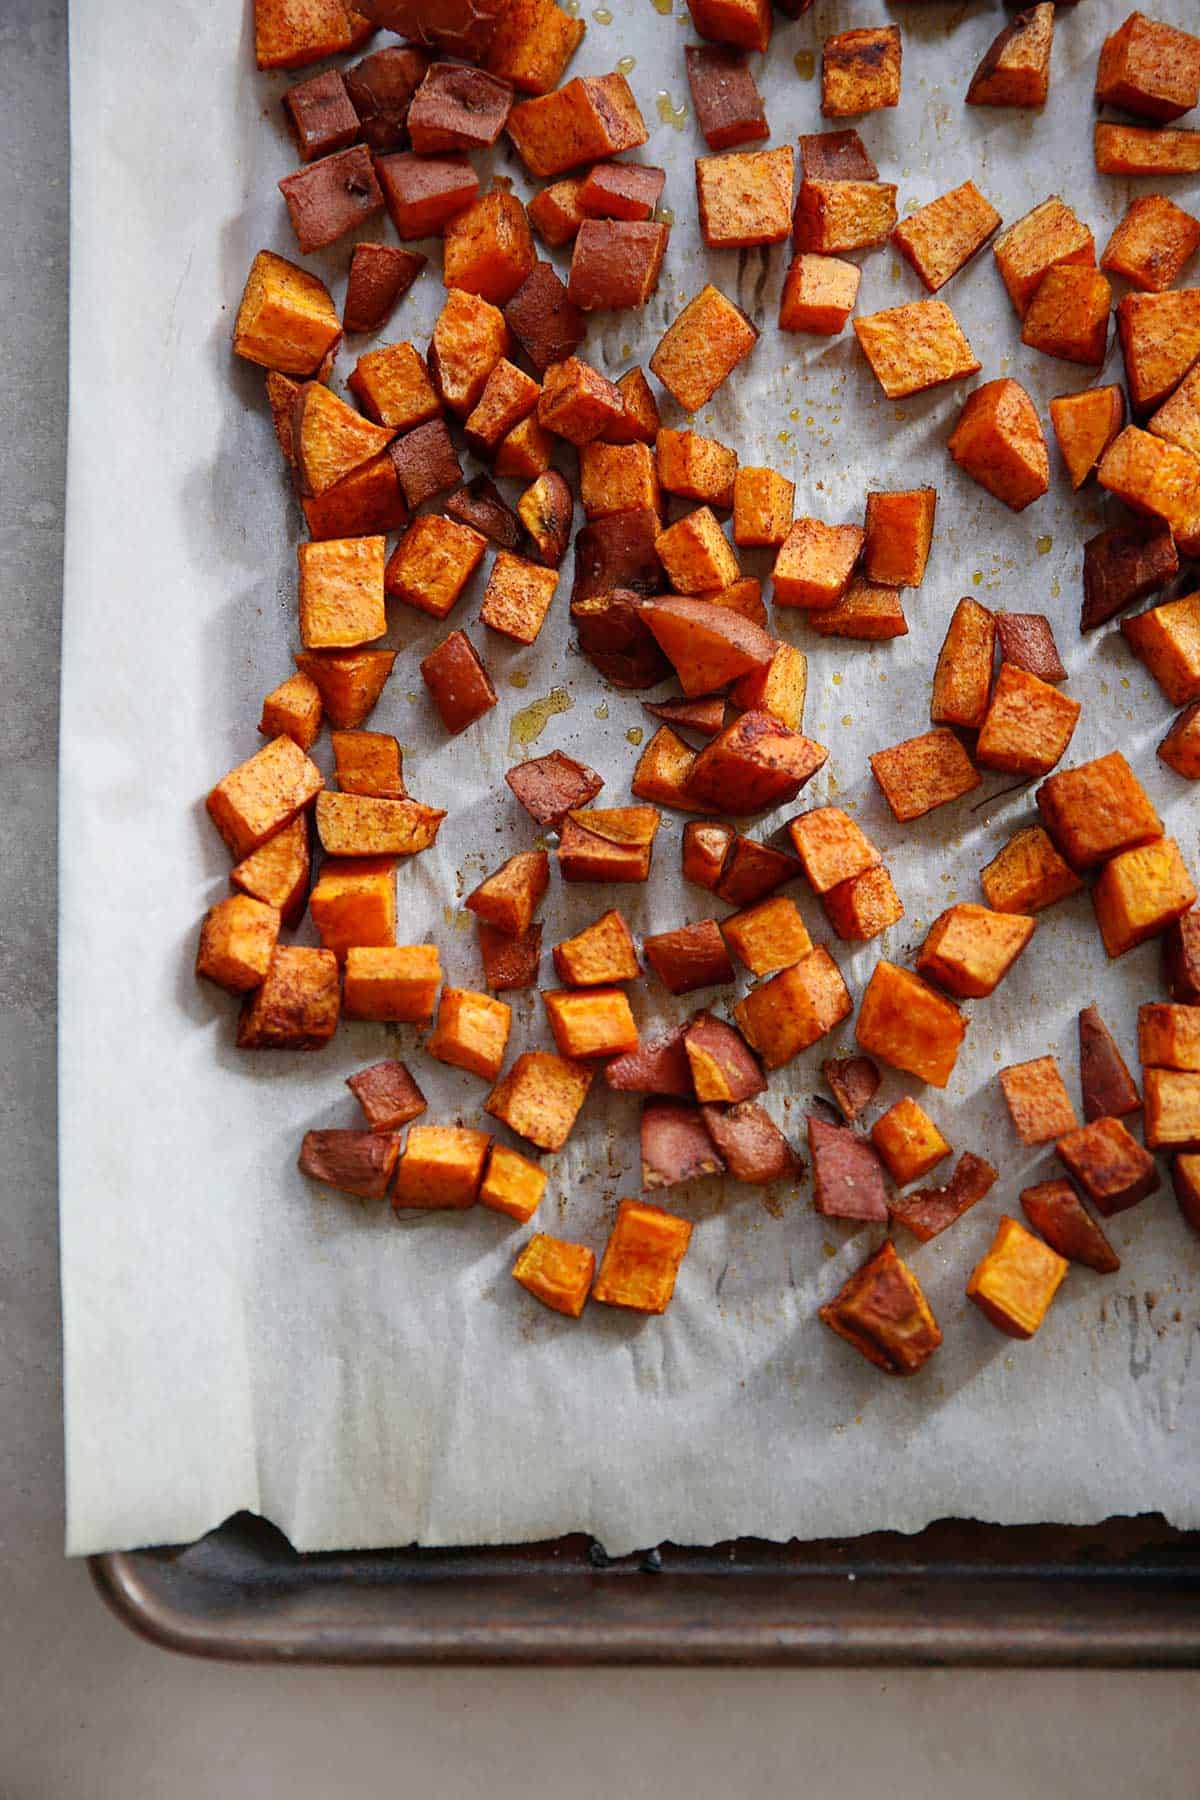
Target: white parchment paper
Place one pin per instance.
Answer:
(235, 1337)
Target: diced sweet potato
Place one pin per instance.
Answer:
(488, 247)
(590, 118)
(555, 1272)
(1149, 68)
(818, 294)
(1180, 749)
(1178, 418)
(423, 193)
(364, 825)
(744, 596)
(426, 464)
(697, 558)
(787, 1014)
(555, 212)
(660, 1067)
(639, 421)
(588, 1022)
(457, 108)
(531, 46)
(368, 502)
(330, 197)
(727, 103)
(432, 563)
(663, 770)
(752, 1146)
(1096, 810)
(1107, 1086)
(863, 905)
(752, 871)
(704, 717)
(509, 898)
(697, 467)
(469, 338)
(898, 533)
(545, 510)
(914, 347)
(853, 1081)
(262, 795)
(675, 1145)
(816, 563)
(381, 88)
(930, 1211)
(867, 612)
(463, 28)
(380, 276)
(1109, 1165)
(621, 191)
(293, 710)
(237, 941)
(392, 386)
(705, 852)
(442, 1166)
(1015, 68)
(320, 115)
(471, 1032)
(860, 71)
(1027, 642)
(540, 1097)
(618, 552)
(938, 239)
(694, 956)
(1144, 150)
(642, 1257)
(354, 1162)
(923, 773)
(831, 847)
(1042, 239)
(1122, 566)
(769, 936)
(544, 320)
(509, 963)
(341, 592)
(1156, 477)
(908, 1141)
(512, 1184)
(1185, 1180)
(577, 402)
(607, 843)
(1167, 640)
(1139, 893)
(847, 1175)
(754, 764)
(778, 687)
(1169, 1036)
(702, 347)
(509, 396)
(480, 505)
(460, 685)
(1068, 315)
(833, 216)
(549, 787)
(598, 956)
(744, 23)
(745, 198)
(962, 679)
(1181, 959)
(1085, 424)
(1172, 1109)
(277, 873)
(1056, 1210)
(883, 1313)
(1038, 1101)
(1027, 874)
(350, 681)
(906, 1023)
(388, 1095)
(1028, 724)
(968, 950)
(296, 1007)
(354, 902)
(330, 439)
(517, 597)
(1016, 1281)
(708, 646)
(999, 442)
(1160, 339)
(616, 478)
(286, 320)
(289, 33)
(1152, 243)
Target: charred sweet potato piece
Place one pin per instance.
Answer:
(350, 681)
(675, 1145)
(1016, 1281)
(423, 193)
(591, 117)
(1152, 243)
(545, 509)
(1107, 1086)
(589, 1022)
(616, 639)
(354, 902)
(1041, 239)
(555, 1272)
(388, 1095)
(860, 71)
(289, 33)
(1139, 893)
(864, 905)
(818, 294)
(517, 597)
(847, 1175)
(833, 216)
(696, 555)
(457, 108)
(330, 197)
(915, 347)
(727, 103)
(545, 322)
(1028, 724)
(1027, 874)
(745, 198)
(296, 1007)
(380, 276)
(867, 611)
(1109, 1165)
(470, 1032)
(908, 1141)
(691, 957)
(708, 646)
(600, 955)
(469, 338)
(237, 941)
(330, 439)
(392, 386)
(787, 1014)
(906, 1023)
(540, 1097)
(769, 936)
(999, 442)
(662, 772)
(577, 402)
(1167, 640)
(853, 1081)
(464, 28)
(701, 347)
(704, 717)
(1068, 315)
(1015, 68)
(1027, 642)
(363, 825)
(320, 115)
(752, 871)
(618, 552)
(607, 844)
(940, 238)
(659, 1067)
(1142, 150)
(549, 787)
(341, 592)
(509, 964)
(641, 1260)
(263, 794)
(380, 89)
(1149, 68)
(923, 773)
(512, 1184)
(815, 564)
(969, 950)
(1037, 1100)
(705, 852)
(930, 1211)
(883, 1313)
(1172, 1109)
(1124, 565)
(1085, 424)
(460, 685)
(753, 765)
(433, 562)
(277, 873)
(509, 898)
(354, 1162)
(1055, 1209)
(1156, 477)
(293, 709)
(1181, 959)
(442, 1166)
(479, 505)
(752, 1146)
(1096, 810)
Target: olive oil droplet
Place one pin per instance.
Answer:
(602, 16)
(1045, 545)
(668, 112)
(528, 725)
(518, 679)
(602, 710)
(806, 64)
(634, 735)
(626, 65)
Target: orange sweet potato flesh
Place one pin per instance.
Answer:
(708, 646)
(692, 957)
(754, 764)
(1055, 1209)
(752, 1146)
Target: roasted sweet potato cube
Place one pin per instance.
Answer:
(330, 197)
(769, 936)
(778, 687)
(1181, 959)
(691, 957)
(423, 193)
(697, 467)
(745, 198)
(962, 679)
(457, 28)
(380, 276)
(364, 825)
(1016, 1281)
(675, 1145)
(457, 108)
(818, 294)
(938, 239)
(867, 611)
(508, 397)
(512, 1184)
(469, 338)
(1172, 1109)
(354, 1162)
(263, 794)
(753, 870)
(1041, 239)
(763, 502)
(388, 1095)
(847, 1175)
(863, 905)
(369, 762)
(544, 320)
(1180, 749)
(1143, 150)
(1027, 642)
(590, 118)
(478, 503)
(1156, 477)
(663, 771)
(1169, 1036)
(286, 320)
(577, 402)
(488, 247)
(432, 563)
(696, 555)
(555, 1272)
(320, 115)
(442, 1166)
(923, 773)
(639, 421)
(1027, 874)
(628, 191)
(1139, 893)
(743, 596)
(642, 1257)
(381, 88)
(341, 592)
(392, 385)
(1028, 724)
(533, 42)
(618, 552)
(708, 646)
(1107, 1086)
(750, 1143)
(705, 852)
(899, 530)
(277, 873)
(615, 638)
(999, 442)
(1068, 315)
(354, 902)
(816, 563)
(1015, 67)
(1109, 1165)
(908, 1141)
(1185, 1179)
(1085, 424)
(1177, 419)
(914, 347)
(753, 765)
(460, 685)
(1167, 640)
(1038, 1101)
(906, 1023)
(517, 597)
(1122, 566)
(616, 478)
(594, 1021)
(1096, 810)
(1055, 1209)
(930, 1211)
(281, 398)
(968, 950)
(607, 844)
(727, 103)
(471, 1032)
(860, 71)
(659, 1067)
(350, 681)
(293, 710)
(1149, 68)
(555, 212)
(724, 1070)
(853, 1081)
(330, 439)
(833, 216)
(549, 787)
(545, 510)
(540, 1097)
(1160, 339)
(831, 847)
(701, 347)
(237, 942)
(509, 898)
(883, 1313)
(787, 1014)
(289, 33)
(600, 955)
(368, 502)
(1152, 243)
(509, 963)
(296, 1007)
(704, 717)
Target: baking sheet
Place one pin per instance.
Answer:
(235, 1338)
